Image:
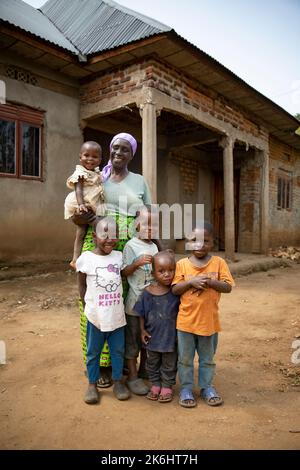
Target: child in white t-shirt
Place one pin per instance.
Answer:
(100, 288)
(137, 267)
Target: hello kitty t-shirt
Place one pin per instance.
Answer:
(104, 306)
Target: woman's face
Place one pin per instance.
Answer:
(121, 154)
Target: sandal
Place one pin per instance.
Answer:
(211, 396)
(104, 382)
(166, 395)
(154, 393)
(186, 398)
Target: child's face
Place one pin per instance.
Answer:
(201, 243)
(105, 237)
(164, 270)
(147, 225)
(90, 157)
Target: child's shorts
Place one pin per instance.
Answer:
(133, 342)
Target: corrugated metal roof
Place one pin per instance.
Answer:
(96, 25)
(22, 15)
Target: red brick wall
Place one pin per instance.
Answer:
(188, 173)
(155, 74)
(284, 224)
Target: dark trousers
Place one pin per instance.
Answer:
(162, 368)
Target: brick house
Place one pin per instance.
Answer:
(88, 69)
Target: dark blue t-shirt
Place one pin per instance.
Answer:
(160, 313)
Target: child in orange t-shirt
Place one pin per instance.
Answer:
(199, 280)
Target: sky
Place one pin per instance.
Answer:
(258, 40)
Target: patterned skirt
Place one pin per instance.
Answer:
(125, 224)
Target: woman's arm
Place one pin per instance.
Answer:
(84, 218)
(81, 285)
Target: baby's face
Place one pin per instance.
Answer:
(90, 157)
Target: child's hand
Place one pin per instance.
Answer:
(144, 259)
(145, 337)
(82, 208)
(199, 282)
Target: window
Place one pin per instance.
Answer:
(284, 190)
(20, 142)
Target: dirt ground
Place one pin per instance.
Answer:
(43, 383)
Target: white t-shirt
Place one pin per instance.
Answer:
(142, 276)
(104, 306)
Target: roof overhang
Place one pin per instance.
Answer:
(174, 51)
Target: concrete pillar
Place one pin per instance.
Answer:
(265, 203)
(148, 112)
(228, 144)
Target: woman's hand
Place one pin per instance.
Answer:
(84, 218)
(82, 208)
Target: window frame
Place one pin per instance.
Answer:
(29, 116)
(285, 186)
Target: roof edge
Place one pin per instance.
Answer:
(177, 36)
(140, 16)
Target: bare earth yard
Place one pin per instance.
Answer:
(43, 383)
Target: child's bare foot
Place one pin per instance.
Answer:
(73, 264)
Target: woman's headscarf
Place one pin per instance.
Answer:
(124, 136)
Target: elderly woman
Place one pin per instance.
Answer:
(124, 192)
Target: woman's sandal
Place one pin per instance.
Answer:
(187, 399)
(104, 382)
(166, 395)
(211, 396)
(154, 393)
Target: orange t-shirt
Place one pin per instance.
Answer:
(199, 314)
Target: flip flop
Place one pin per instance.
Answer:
(154, 393)
(104, 382)
(211, 396)
(166, 395)
(187, 399)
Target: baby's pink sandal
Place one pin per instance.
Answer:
(166, 395)
(154, 393)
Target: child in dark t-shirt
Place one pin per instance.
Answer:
(158, 309)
